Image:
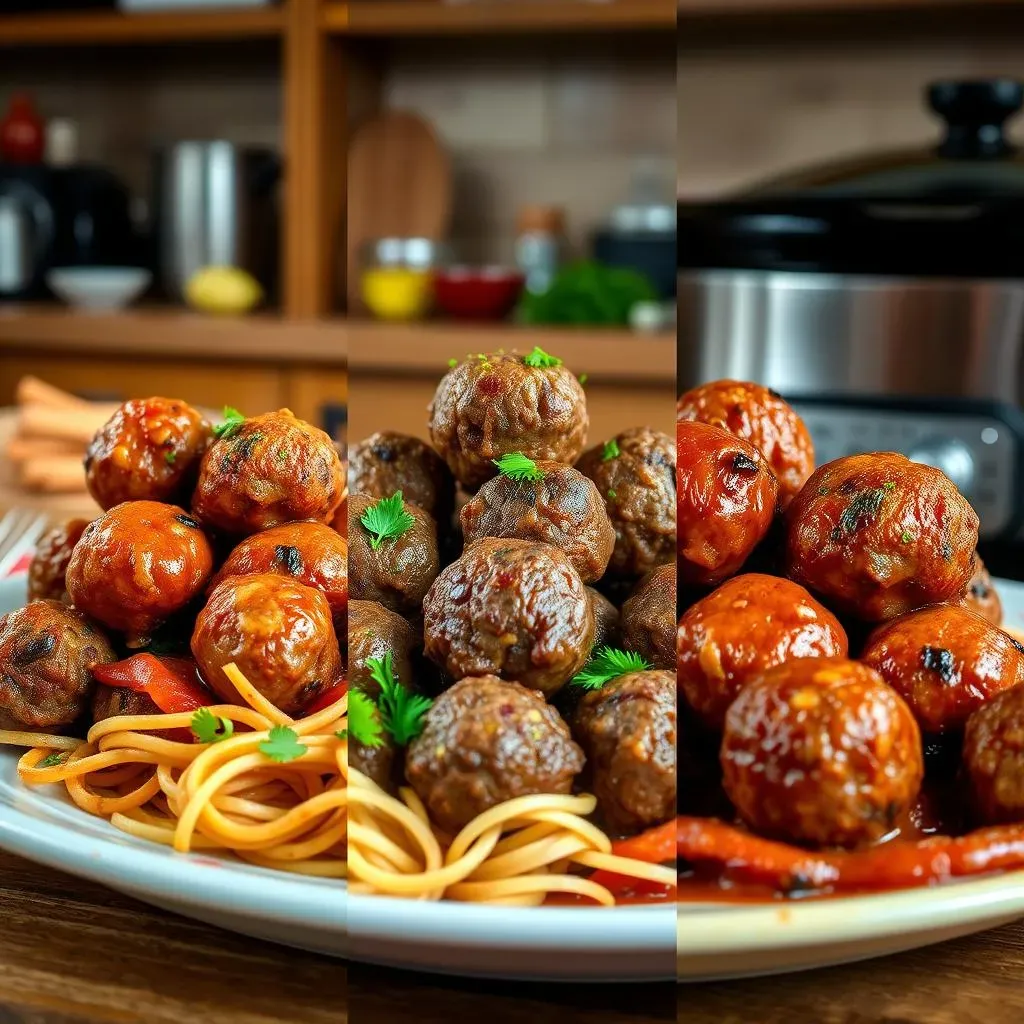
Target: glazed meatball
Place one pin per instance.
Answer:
(48, 570)
(277, 632)
(149, 450)
(822, 752)
(635, 474)
(387, 462)
(994, 759)
(748, 625)
(396, 572)
(727, 500)
(376, 763)
(627, 730)
(488, 406)
(649, 618)
(137, 565)
(982, 597)
(761, 417)
(115, 701)
(878, 535)
(269, 470)
(562, 508)
(945, 662)
(606, 619)
(373, 632)
(486, 741)
(47, 654)
(510, 608)
(310, 553)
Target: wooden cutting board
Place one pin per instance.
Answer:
(399, 186)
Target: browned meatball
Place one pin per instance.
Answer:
(310, 553)
(137, 565)
(373, 632)
(115, 701)
(486, 741)
(388, 461)
(627, 730)
(276, 631)
(764, 419)
(149, 450)
(269, 470)
(562, 507)
(821, 751)
(49, 566)
(994, 759)
(376, 763)
(510, 608)
(878, 535)
(635, 474)
(606, 619)
(490, 405)
(47, 654)
(396, 572)
(945, 662)
(748, 625)
(727, 500)
(982, 597)
(649, 618)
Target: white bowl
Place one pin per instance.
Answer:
(98, 287)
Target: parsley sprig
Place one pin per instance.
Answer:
(52, 760)
(401, 711)
(516, 466)
(210, 728)
(606, 664)
(233, 421)
(364, 724)
(282, 745)
(387, 519)
(611, 450)
(540, 359)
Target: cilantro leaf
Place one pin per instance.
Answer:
(386, 519)
(611, 450)
(540, 359)
(401, 710)
(364, 723)
(282, 745)
(210, 728)
(607, 664)
(516, 466)
(233, 421)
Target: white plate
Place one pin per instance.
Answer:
(715, 942)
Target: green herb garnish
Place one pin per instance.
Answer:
(233, 421)
(453, 363)
(170, 457)
(387, 519)
(607, 664)
(612, 495)
(52, 760)
(282, 745)
(540, 359)
(906, 537)
(583, 378)
(401, 710)
(363, 720)
(210, 728)
(862, 509)
(282, 454)
(516, 466)
(611, 450)
(889, 485)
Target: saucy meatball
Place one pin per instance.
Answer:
(279, 634)
(748, 625)
(396, 572)
(49, 566)
(994, 758)
(268, 470)
(945, 662)
(47, 654)
(137, 565)
(763, 418)
(388, 461)
(649, 618)
(606, 619)
(486, 741)
(490, 405)
(562, 507)
(822, 752)
(727, 500)
(510, 608)
(115, 701)
(635, 474)
(373, 632)
(627, 730)
(878, 535)
(982, 597)
(149, 450)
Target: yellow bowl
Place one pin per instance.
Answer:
(397, 293)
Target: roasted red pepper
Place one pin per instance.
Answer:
(170, 683)
(330, 696)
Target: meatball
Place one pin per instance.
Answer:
(727, 499)
(878, 535)
(137, 565)
(149, 450)
(388, 461)
(761, 417)
(945, 662)
(396, 572)
(606, 619)
(310, 553)
(490, 405)
(627, 730)
(748, 625)
(649, 618)
(982, 597)
(635, 474)
(48, 569)
(486, 741)
(562, 507)
(115, 701)
(47, 654)
(268, 470)
(510, 608)
(994, 759)
(376, 763)
(373, 632)
(823, 752)
(276, 631)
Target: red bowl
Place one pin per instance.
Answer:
(477, 293)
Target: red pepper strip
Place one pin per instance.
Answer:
(330, 696)
(171, 683)
(655, 846)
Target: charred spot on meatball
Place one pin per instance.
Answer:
(649, 618)
(48, 569)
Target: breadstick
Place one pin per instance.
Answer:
(23, 449)
(55, 474)
(33, 391)
(70, 424)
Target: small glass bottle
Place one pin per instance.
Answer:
(540, 243)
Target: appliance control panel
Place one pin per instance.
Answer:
(978, 453)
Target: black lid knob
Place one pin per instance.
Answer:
(975, 113)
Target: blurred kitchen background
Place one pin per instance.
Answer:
(851, 222)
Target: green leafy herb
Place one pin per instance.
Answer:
(588, 293)
(583, 378)
(906, 537)
(516, 466)
(889, 485)
(171, 457)
(453, 362)
(861, 510)
(612, 495)
(210, 728)
(282, 454)
(387, 519)
(401, 710)
(611, 450)
(233, 421)
(607, 664)
(52, 760)
(364, 720)
(540, 359)
(822, 490)
(282, 745)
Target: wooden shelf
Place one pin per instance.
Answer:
(717, 8)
